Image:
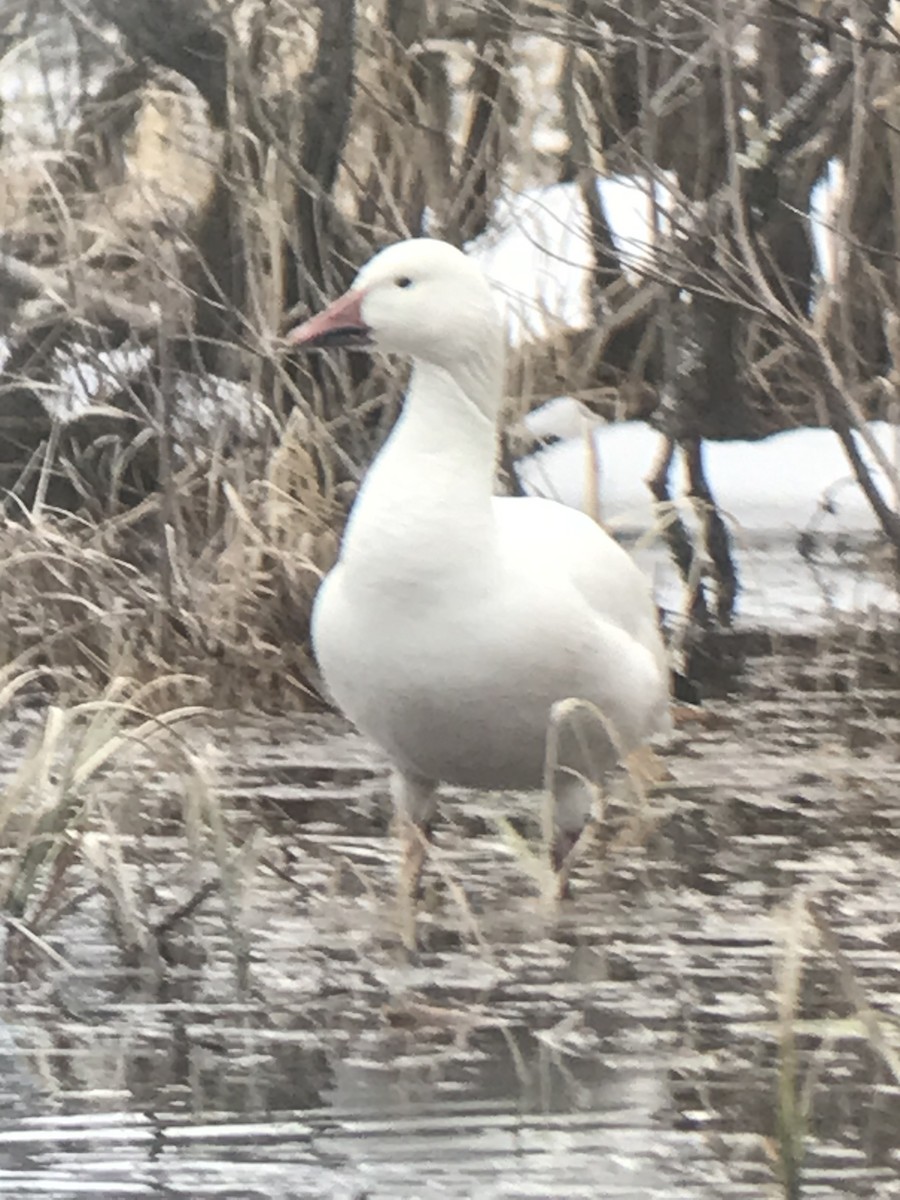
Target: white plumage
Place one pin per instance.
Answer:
(455, 619)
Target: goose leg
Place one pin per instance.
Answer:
(415, 804)
(573, 825)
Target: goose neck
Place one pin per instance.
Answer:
(451, 415)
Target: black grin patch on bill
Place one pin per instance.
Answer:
(349, 336)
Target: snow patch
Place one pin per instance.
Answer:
(87, 378)
(805, 538)
(538, 255)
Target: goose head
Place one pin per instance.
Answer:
(421, 298)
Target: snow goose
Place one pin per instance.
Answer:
(454, 620)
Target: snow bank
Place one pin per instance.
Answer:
(790, 483)
(805, 538)
(537, 252)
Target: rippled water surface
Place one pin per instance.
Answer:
(231, 1014)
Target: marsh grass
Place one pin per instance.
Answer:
(52, 798)
(218, 589)
(794, 1094)
(92, 778)
(807, 932)
(631, 781)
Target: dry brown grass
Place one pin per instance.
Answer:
(215, 571)
(220, 592)
(807, 934)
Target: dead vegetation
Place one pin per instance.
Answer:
(179, 181)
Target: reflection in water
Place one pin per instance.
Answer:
(627, 1046)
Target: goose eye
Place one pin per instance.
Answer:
(403, 281)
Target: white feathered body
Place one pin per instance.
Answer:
(454, 620)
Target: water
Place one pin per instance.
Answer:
(274, 1041)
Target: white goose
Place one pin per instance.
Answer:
(454, 619)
